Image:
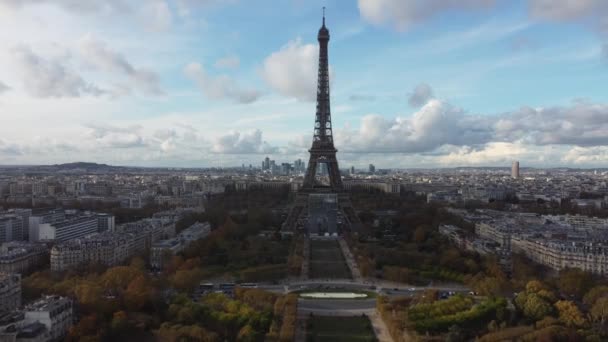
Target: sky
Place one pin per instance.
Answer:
(201, 83)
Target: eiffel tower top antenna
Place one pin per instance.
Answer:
(323, 15)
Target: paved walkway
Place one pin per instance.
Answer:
(305, 259)
(380, 328)
(350, 260)
(300, 335)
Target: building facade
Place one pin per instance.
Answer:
(10, 292)
(105, 248)
(162, 250)
(54, 312)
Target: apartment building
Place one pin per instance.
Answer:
(105, 248)
(10, 292)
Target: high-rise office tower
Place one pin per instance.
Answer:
(515, 169)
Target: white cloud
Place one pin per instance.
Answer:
(116, 137)
(402, 14)
(493, 153)
(582, 124)
(219, 87)
(242, 143)
(421, 95)
(50, 77)
(4, 87)
(185, 7)
(567, 9)
(292, 71)
(228, 62)
(75, 5)
(7, 149)
(96, 53)
(156, 15)
(577, 155)
(434, 125)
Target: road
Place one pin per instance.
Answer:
(390, 289)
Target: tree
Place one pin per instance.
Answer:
(88, 325)
(120, 322)
(574, 282)
(599, 310)
(186, 280)
(455, 334)
(138, 263)
(246, 334)
(569, 313)
(489, 286)
(536, 307)
(534, 286)
(420, 234)
(116, 279)
(594, 294)
(138, 293)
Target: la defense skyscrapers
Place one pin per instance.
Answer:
(322, 191)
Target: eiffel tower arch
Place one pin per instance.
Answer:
(322, 152)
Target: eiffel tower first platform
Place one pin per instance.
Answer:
(314, 198)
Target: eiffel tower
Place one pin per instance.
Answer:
(323, 151)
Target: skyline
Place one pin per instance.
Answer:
(191, 83)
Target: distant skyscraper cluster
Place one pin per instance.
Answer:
(271, 166)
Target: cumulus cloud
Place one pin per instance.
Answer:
(582, 124)
(402, 14)
(292, 71)
(156, 15)
(97, 54)
(75, 5)
(438, 125)
(50, 77)
(4, 87)
(242, 143)
(115, 137)
(219, 87)
(7, 149)
(185, 7)
(434, 125)
(421, 95)
(228, 62)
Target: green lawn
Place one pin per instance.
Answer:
(327, 261)
(340, 329)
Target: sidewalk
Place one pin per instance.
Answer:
(380, 328)
(305, 259)
(350, 260)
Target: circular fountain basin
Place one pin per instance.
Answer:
(333, 295)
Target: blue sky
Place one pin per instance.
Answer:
(435, 83)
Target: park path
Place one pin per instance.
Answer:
(305, 259)
(300, 335)
(350, 260)
(380, 329)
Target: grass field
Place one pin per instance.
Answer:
(327, 261)
(340, 329)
